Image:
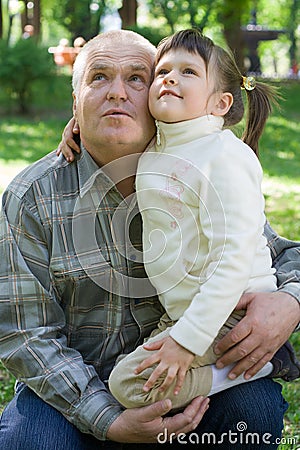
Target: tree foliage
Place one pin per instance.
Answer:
(228, 16)
(83, 17)
(20, 66)
(220, 19)
(79, 19)
(183, 13)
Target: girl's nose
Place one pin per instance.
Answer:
(169, 81)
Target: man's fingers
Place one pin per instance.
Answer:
(237, 334)
(259, 365)
(204, 405)
(189, 419)
(244, 301)
(154, 411)
(238, 353)
(250, 365)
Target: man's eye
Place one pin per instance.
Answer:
(99, 77)
(136, 78)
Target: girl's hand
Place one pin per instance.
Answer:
(68, 144)
(171, 358)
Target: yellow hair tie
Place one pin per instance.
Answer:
(248, 83)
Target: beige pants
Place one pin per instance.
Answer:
(127, 387)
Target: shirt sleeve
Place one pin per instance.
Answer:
(286, 260)
(33, 345)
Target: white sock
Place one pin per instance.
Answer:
(221, 381)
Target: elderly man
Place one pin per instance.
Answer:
(74, 295)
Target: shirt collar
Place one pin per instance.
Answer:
(90, 174)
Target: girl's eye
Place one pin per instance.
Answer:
(189, 71)
(161, 72)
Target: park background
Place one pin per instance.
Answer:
(36, 55)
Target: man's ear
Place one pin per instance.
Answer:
(223, 104)
(74, 104)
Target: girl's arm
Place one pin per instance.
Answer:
(68, 143)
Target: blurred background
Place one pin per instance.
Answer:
(40, 39)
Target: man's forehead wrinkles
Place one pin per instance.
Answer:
(126, 65)
(117, 55)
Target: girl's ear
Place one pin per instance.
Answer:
(223, 104)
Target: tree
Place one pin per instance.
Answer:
(128, 13)
(292, 26)
(184, 13)
(195, 13)
(1, 20)
(82, 17)
(31, 15)
(21, 65)
(231, 17)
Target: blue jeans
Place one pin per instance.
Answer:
(244, 417)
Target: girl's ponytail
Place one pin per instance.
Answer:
(261, 99)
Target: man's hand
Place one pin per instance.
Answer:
(143, 425)
(68, 143)
(171, 358)
(269, 321)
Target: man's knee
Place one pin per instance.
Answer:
(29, 423)
(243, 413)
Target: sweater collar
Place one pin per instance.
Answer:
(173, 134)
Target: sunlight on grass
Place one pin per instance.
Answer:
(27, 140)
(283, 205)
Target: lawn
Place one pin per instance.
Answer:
(25, 139)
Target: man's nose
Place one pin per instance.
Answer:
(117, 90)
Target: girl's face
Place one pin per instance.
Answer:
(182, 89)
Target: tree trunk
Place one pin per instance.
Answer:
(128, 13)
(24, 17)
(1, 21)
(32, 17)
(231, 18)
(36, 22)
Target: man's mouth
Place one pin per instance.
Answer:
(116, 112)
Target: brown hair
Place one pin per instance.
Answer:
(229, 79)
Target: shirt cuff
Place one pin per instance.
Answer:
(294, 290)
(96, 413)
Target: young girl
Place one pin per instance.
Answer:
(199, 193)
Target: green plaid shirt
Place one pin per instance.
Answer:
(65, 310)
(73, 291)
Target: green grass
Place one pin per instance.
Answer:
(25, 139)
(280, 158)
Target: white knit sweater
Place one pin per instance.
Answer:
(199, 193)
